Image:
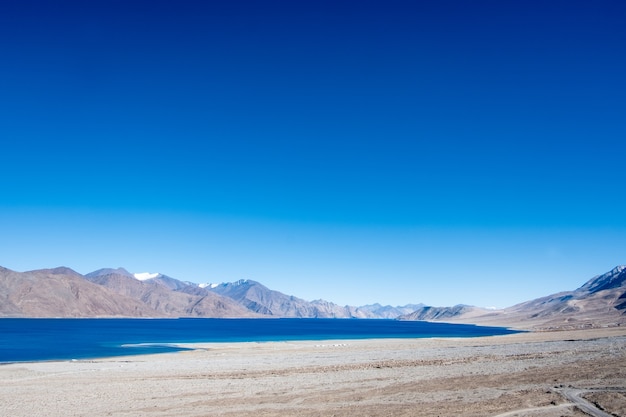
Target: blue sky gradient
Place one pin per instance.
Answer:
(437, 151)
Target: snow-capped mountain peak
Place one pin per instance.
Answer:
(225, 284)
(142, 276)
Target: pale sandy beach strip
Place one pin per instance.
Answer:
(513, 375)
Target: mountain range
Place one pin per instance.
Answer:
(600, 302)
(62, 292)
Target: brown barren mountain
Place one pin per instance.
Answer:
(600, 302)
(169, 302)
(62, 292)
(260, 299)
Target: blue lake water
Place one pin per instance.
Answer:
(63, 339)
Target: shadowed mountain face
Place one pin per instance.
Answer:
(262, 300)
(389, 312)
(429, 313)
(596, 301)
(613, 279)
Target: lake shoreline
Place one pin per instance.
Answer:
(27, 340)
(375, 377)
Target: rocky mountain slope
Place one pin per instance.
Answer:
(389, 312)
(166, 295)
(62, 292)
(260, 299)
(429, 313)
(600, 302)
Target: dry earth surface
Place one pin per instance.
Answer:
(612, 402)
(515, 375)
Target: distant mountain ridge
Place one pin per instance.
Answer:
(109, 271)
(115, 292)
(260, 299)
(157, 295)
(429, 313)
(390, 312)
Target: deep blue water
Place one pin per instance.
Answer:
(62, 339)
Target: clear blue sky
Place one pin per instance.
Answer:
(395, 151)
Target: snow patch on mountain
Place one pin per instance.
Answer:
(142, 276)
(234, 284)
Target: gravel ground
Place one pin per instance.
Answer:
(512, 375)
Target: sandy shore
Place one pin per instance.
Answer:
(513, 375)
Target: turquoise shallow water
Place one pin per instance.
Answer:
(63, 339)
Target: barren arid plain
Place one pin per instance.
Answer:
(562, 373)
